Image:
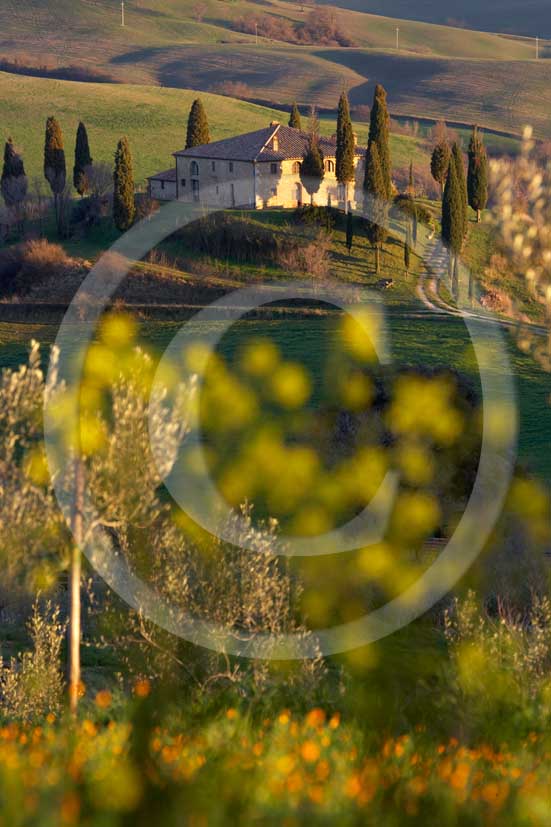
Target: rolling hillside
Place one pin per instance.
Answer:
(438, 72)
(153, 119)
(521, 17)
(90, 30)
(504, 96)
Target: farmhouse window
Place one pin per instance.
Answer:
(183, 181)
(162, 185)
(194, 168)
(329, 166)
(273, 169)
(296, 167)
(230, 166)
(213, 165)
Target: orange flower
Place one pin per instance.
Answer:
(353, 786)
(70, 808)
(315, 718)
(103, 699)
(231, 714)
(334, 721)
(460, 776)
(495, 793)
(142, 688)
(322, 770)
(310, 752)
(315, 794)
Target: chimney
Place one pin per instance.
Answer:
(275, 139)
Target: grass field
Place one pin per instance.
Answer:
(153, 119)
(156, 22)
(530, 18)
(429, 341)
(440, 71)
(506, 95)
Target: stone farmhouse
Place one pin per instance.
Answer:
(259, 169)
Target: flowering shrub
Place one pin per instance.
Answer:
(286, 769)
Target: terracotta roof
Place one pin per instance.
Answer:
(291, 144)
(167, 175)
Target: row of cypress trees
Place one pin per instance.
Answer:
(462, 192)
(377, 179)
(14, 183)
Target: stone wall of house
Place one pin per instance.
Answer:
(261, 185)
(225, 183)
(278, 184)
(162, 190)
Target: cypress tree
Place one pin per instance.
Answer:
(294, 118)
(457, 157)
(375, 206)
(477, 176)
(411, 195)
(407, 251)
(439, 163)
(344, 166)
(197, 125)
(311, 168)
(452, 213)
(411, 181)
(379, 133)
(124, 209)
(14, 182)
(83, 160)
(415, 224)
(349, 231)
(55, 170)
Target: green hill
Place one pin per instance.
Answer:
(154, 120)
(439, 71)
(90, 31)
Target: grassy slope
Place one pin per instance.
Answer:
(152, 118)
(439, 72)
(64, 26)
(528, 17)
(505, 95)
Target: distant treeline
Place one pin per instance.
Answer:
(321, 28)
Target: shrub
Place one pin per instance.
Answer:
(404, 205)
(326, 217)
(41, 262)
(233, 89)
(33, 685)
(309, 258)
